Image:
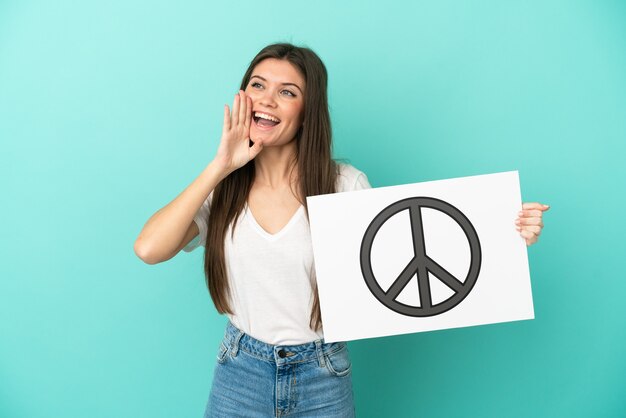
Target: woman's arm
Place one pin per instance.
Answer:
(172, 227)
(164, 234)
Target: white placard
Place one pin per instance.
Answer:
(420, 257)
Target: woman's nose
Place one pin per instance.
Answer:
(267, 98)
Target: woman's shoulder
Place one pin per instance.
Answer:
(350, 178)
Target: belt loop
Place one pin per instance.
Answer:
(320, 353)
(235, 344)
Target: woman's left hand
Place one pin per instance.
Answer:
(529, 222)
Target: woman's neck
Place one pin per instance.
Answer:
(273, 166)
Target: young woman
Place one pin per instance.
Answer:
(248, 209)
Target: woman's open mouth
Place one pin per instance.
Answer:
(265, 121)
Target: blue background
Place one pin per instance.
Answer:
(109, 109)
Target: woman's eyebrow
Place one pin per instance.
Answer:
(284, 84)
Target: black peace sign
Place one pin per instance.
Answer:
(421, 263)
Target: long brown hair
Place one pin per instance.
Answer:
(317, 172)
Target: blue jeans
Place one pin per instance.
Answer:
(256, 379)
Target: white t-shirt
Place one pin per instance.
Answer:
(270, 275)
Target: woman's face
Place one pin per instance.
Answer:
(277, 89)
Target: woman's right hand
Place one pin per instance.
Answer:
(234, 150)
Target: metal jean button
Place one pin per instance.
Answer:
(282, 353)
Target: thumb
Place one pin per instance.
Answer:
(256, 148)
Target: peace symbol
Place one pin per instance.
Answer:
(421, 263)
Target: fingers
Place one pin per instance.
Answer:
(529, 222)
(235, 115)
(532, 228)
(243, 106)
(530, 237)
(535, 205)
(248, 111)
(226, 118)
(528, 213)
(242, 110)
(528, 234)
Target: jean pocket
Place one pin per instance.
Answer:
(222, 353)
(338, 362)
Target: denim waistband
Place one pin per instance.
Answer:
(235, 339)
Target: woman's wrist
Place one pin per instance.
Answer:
(217, 170)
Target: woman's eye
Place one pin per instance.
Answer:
(286, 92)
